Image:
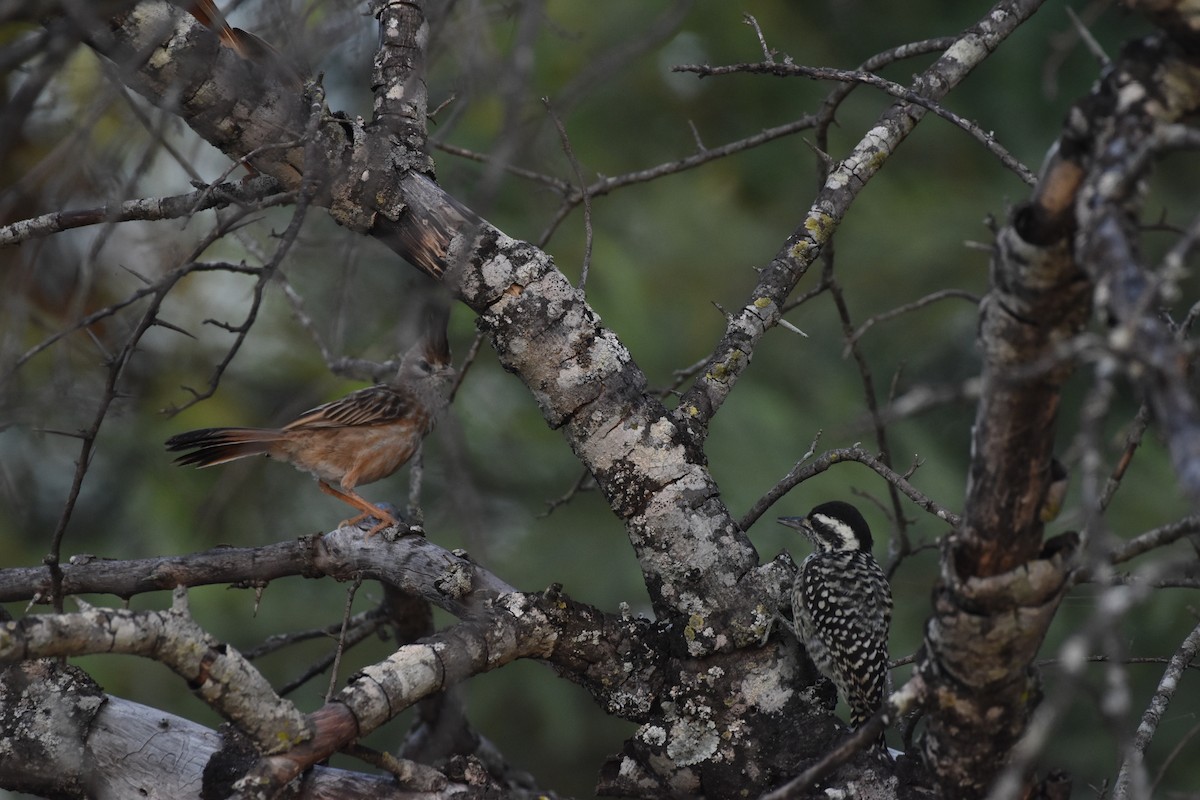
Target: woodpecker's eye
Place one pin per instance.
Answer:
(424, 365)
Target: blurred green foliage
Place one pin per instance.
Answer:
(665, 254)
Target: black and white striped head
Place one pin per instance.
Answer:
(832, 527)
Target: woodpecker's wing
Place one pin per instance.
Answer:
(374, 405)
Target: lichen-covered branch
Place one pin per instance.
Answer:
(216, 672)
(63, 737)
(398, 80)
(381, 691)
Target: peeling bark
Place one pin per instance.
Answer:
(995, 599)
(1072, 245)
(976, 665)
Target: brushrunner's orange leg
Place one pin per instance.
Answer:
(367, 508)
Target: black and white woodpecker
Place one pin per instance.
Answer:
(842, 606)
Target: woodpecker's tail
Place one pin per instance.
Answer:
(862, 713)
(212, 446)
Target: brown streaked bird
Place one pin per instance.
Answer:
(362, 438)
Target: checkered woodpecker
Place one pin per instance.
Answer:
(842, 606)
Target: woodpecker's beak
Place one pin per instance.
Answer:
(802, 525)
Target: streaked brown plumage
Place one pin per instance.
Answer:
(361, 438)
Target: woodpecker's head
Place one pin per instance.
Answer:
(833, 526)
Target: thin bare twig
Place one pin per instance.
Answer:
(876, 62)
(354, 636)
(1133, 440)
(160, 140)
(1155, 538)
(116, 369)
(606, 185)
(583, 190)
(1062, 44)
(929, 299)
(1089, 41)
(583, 483)
(821, 287)
(308, 188)
(370, 620)
(986, 138)
(259, 192)
(338, 651)
(900, 545)
(1101, 659)
(465, 365)
(558, 184)
(768, 53)
(1179, 748)
(803, 471)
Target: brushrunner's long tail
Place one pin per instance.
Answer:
(212, 446)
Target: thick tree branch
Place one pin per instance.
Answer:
(979, 643)
(398, 80)
(68, 739)
(412, 563)
(1039, 300)
(1074, 237)
(216, 672)
(1113, 604)
(376, 694)
(621, 661)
